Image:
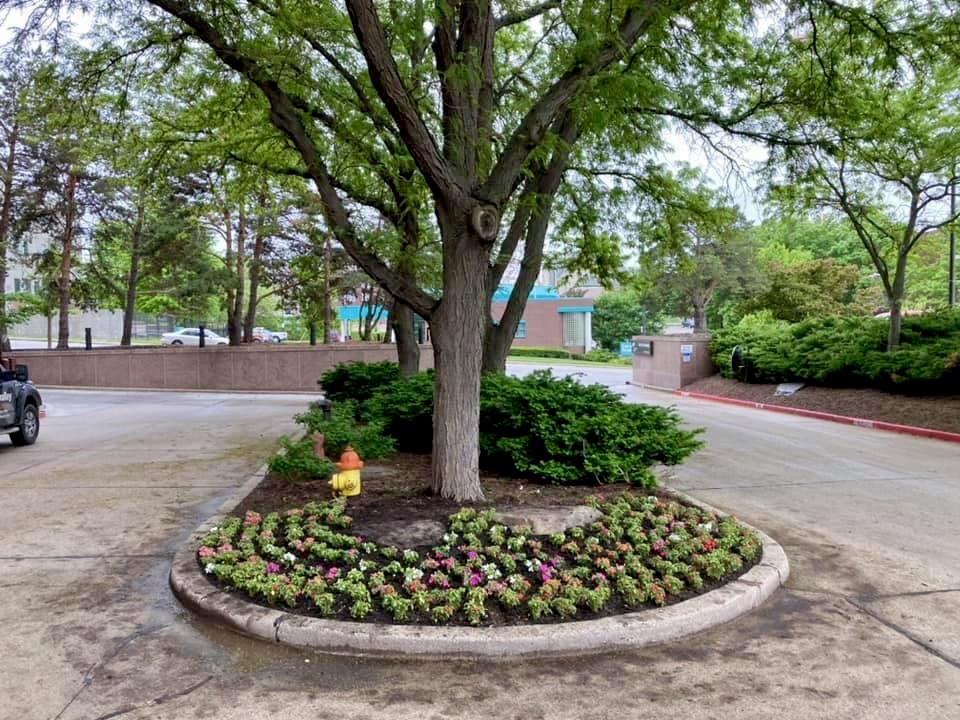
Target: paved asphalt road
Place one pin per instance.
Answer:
(866, 628)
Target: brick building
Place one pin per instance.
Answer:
(549, 320)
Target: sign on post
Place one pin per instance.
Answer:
(686, 352)
(643, 347)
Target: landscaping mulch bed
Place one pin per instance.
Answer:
(938, 412)
(396, 488)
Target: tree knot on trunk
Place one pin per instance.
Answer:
(485, 221)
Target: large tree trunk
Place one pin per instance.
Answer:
(66, 261)
(408, 351)
(457, 333)
(535, 222)
(130, 303)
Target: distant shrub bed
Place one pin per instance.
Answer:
(541, 427)
(540, 352)
(845, 352)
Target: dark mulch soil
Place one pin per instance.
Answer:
(397, 488)
(939, 412)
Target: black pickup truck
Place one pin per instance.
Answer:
(19, 405)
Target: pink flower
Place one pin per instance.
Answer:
(475, 579)
(206, 552)
(272, 568)
(226, 547)
(252, 518)
(332, 573)
(471, 555)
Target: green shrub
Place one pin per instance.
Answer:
(540, 352)
(404, 409)
(297, 461)
(560, 431)
(342, 429)
(553, 430)
(601, 356)
(357, 380)
(846, 352)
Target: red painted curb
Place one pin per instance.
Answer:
(859, 422)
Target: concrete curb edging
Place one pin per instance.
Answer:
(630, 630)
(831, 417)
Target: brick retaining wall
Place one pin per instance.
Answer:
(250, 367)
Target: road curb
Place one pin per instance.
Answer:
(630, 630)
(831, 417)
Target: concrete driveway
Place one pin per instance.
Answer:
(866, 628)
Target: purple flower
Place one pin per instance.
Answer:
(332, 573)
(471, 555)
(272, 568)
(475, 579)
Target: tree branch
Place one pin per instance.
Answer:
(521, 16)
(440, 177)
(530, 132)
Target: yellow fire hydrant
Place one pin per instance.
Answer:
(347, 481)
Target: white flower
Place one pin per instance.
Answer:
(491, 571)
(706, 527)
(209, 568)
(674, 538)
(411, 574)
(289, 557)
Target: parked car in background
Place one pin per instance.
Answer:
(191, 336)
(269, 335)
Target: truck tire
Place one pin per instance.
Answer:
(29, 426)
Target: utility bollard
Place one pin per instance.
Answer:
(203, 339)
(88, 338)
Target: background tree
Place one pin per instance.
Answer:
(696, 244)
(619, 315)
(877, 139)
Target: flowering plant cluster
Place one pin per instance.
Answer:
(642, 551)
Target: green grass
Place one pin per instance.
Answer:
(623, 362)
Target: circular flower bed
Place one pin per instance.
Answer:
(643, 551)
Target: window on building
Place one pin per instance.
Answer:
(16, 284)
(521, 330)
(573, 329)
(36, 287)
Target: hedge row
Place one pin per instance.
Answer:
(845, 352)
